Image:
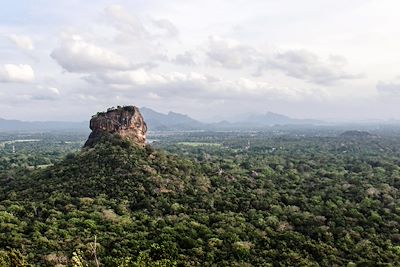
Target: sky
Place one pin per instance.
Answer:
(211, 59)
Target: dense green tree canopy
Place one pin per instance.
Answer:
(207, 200)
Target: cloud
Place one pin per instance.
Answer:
(195, 85)
(153, 96)
(186, 58)
(125, 22)
(338, 60)
(54, 90)
(163, 53)
(135, 77)
(168, 27)
(49, 89)
(132, 27)
(229, 53)
(135, 47)
(44, 93)
(307, 66)
(22, 41)
(22, 73)
(77, 55)
(388, 88)
(18, 94)
(300, 64)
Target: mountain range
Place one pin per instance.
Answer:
(259, 121)
(171, 121)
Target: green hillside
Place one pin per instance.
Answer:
(146, 207)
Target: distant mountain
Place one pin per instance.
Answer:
(271, 118)
(171, 121)
(265, 120)
(16, 125)
(157, 121)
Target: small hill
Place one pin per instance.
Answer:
(115, 161)
(356, 134)
(108, 188)
(112, 190)
(114, 167)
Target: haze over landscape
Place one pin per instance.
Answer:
(212, 60)
(153, 133)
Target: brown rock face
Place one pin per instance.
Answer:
(126, 121)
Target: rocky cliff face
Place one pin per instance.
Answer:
(126, 121)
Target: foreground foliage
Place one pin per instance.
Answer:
(279, 202)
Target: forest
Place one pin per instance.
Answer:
(283, 197)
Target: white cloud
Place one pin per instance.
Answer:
(153, 96)
(22, 73)
(125, 22)
(304, 65)
(45, 93)
(132, 27)
(300, 64)
(167, 26)
(77, 55)
(49, 89)
(22, 41)
(118, 48)
(186, 58)
(54, 90)
(197, 86)
(230, 53)
(135, 77)
(145, 38)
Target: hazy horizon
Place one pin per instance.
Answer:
(332, 61)
(242, 118)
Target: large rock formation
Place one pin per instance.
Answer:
(126, 121)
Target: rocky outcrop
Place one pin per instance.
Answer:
(127, 122)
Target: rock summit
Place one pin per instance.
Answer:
(127, 122)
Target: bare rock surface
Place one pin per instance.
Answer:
(127, 122)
